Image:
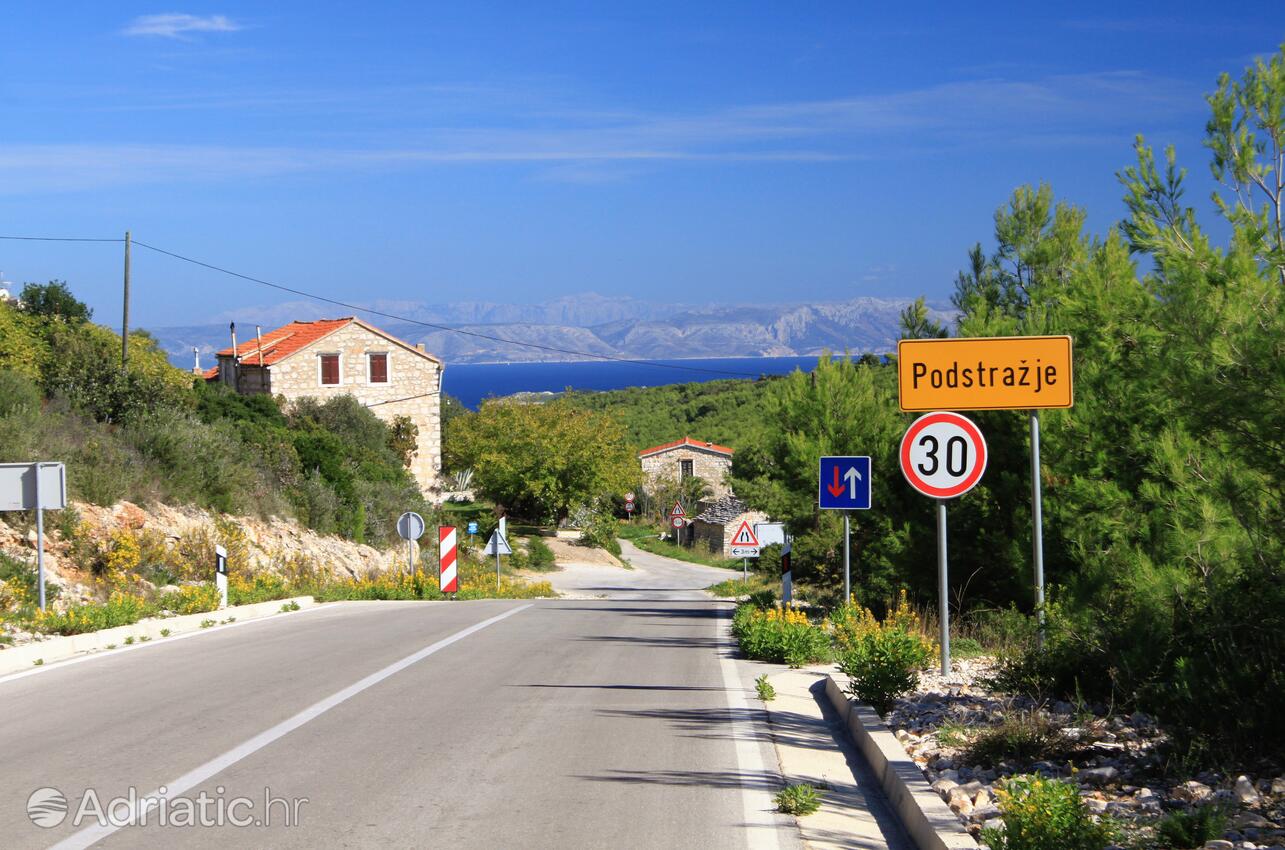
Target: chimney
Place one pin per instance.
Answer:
(232, 372)
(419, 346)
(258, 336)
(196, 360)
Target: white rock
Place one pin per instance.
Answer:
(1095, 805)
(1278, 786)
(1219, 844)
(1097, 775)
(960, 803)
(1245, 792)
(1192, 791)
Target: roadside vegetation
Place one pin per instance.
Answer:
(1164, 487)
(650, 538)
(155, 433)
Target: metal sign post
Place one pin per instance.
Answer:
(943, 592)
(1037, 526)
(40, 540)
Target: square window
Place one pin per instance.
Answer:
(378, 364)
(330, 369)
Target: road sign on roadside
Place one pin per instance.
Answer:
(677, 510)
(497, 545)
(984, 373)
(447, 552)
(844, 483)
(629, 497)
(472, 527)
(745, 538)
(943, 455)
(629, 506)
(410, 526)
(745, 551)
(38, 486)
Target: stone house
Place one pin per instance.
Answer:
(714, 527)
(686, 458)
(330, 357)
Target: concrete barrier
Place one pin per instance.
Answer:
(929, 821)
(60, 648)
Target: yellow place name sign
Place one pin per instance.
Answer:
(984, 373)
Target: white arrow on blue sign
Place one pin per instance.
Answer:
(844, 484)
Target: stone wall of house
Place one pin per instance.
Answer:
(717, 537)
(714, 467)
(413, 388)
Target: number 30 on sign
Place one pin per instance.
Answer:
(943, 455)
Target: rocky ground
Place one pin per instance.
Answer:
(1116, 760)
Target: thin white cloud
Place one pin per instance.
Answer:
(586, 145)
(177, 25)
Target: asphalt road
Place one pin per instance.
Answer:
(615, 722)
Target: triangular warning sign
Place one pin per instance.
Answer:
(745, 535)
(678, 510)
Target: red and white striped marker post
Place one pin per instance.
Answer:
(448, 580)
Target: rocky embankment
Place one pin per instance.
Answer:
(273, 545)
(1115, 759)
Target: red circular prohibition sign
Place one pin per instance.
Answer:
(974, 436)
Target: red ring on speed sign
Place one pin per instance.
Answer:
(970, 476)
(677, 522)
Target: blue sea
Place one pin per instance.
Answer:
(473, 383)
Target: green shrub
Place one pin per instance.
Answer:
(780, 635)
(600, 531)
(539, 555)
(766, 692)
(191, 599)
(121, 609)
(1192, 828)
(801, 799)
(882, 660)
(883, 665)
(1045, 814)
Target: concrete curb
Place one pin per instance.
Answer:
(930, 822)
(61, 648)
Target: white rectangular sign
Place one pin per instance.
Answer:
(770, 532)
(18, 486)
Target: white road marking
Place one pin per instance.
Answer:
(760, 823)
(93, 834)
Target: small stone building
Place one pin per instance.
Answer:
(330, 357)
(716, 525)
(686, 458)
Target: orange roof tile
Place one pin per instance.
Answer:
(687, 442)
(284, 341)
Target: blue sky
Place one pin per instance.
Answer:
(518, 152)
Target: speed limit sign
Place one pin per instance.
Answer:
(943, 455)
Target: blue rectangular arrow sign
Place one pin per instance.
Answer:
(844, 484)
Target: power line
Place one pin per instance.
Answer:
(58, 239)
(434, 326)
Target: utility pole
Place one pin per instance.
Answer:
(124, 321)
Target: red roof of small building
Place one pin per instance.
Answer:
(687, 442)
(284, 341)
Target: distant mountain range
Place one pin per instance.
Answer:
(577, 327)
